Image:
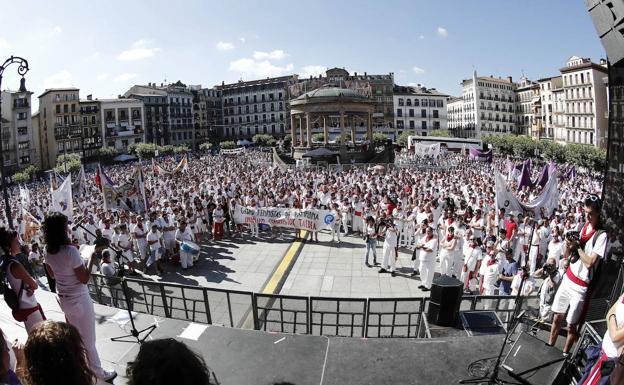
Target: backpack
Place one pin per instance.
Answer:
(10, 297)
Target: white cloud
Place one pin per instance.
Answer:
(141, 50)
(418, 70)
(312, 70)
(125, 77)
(58, 80)
(242, 39)
(277, 54)
(102, 76)
(4, 44)
(93, 56)
(56, 30)
(225, 46)
(442, 32)
(421, 37)
(258, 68)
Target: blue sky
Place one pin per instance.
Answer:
(103, 47)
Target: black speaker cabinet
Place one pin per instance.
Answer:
(532, 362)
(446, 295)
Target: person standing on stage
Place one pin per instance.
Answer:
(585, 255)
(447, 252)
(67, 267)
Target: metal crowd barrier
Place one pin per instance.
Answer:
(330, 316)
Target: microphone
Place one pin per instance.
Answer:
(79, 223)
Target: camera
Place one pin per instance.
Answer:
(549, 269)
(573, 236)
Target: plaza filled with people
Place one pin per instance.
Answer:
(447, 217)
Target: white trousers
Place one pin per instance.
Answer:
(427, 269)
(79, 313)
(446, 262)
(32, 320)
(458, 263)
(186, 259)
(389, 260)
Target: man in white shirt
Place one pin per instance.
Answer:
(585, 256)
(124, 242)
(428, 251)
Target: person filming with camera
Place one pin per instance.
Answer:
(585, 251)
(552, 279)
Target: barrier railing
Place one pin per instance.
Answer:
(331, 316)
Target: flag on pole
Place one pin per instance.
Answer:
(547, 200)
(505, 198)
(62, 200)
(24, 194)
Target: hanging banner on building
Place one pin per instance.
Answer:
(310, 220)
(430, 150)
(483, 156)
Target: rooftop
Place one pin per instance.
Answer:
(418, 90)
(68, 89)
(250, 83)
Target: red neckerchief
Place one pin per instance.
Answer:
(449, 221)
(449, 237)
(586, 236)
(491, 261)
(427, 238)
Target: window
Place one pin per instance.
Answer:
(439, 103)
(73, 107)
(408, 102)
(411, 124)
(424, 103)
(423, 124)
(423, 112)
(65, 108)
(435, 114)
(21, 116)
(23, 145)
(411, 112)
(416, 102)
(85, 120)
(399, 112)
(22, 130)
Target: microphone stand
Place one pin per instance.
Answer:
(493, 378)
(134, 333)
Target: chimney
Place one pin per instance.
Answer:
(119, 97)
(222, 82)
(162, 84)
(89, 97)
(510, 79)
(603, 61)
(355, 74)
(365, 74)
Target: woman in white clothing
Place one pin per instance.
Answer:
(64, 263)
(20, 281)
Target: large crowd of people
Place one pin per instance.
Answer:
(446, 216)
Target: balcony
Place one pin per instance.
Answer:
(89, 110)
(20, 104)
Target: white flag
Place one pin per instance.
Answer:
(505, 198)
(548, 198)
(24, 196)
(62, 200)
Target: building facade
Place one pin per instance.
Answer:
(586, 118)
(20, 141)
(489, 106)
(206, 113)
(156, 108)
(255, 107)
(419, 110)
(454, 111)
(528, 108)
(181, 122)
(92, 134)
(547, 101)
(59, 124)
(122, 121)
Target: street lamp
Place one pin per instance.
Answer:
(21, 70)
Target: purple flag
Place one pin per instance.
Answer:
(542, 179)
(525, 175)
(484, 156)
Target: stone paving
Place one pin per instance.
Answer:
(337, 270)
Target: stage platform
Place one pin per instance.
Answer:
(239, 357)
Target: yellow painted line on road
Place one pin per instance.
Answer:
(284, 265)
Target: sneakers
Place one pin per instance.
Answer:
(392, 273)
(109, 376)
(382, 270)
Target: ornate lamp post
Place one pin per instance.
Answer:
(22, 69)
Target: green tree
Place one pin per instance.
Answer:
(380, 137)
(71, 163)
(21, 177)
(206, 147)
(165, 150)
(442, 133)
(263, 140)
(106, 154)
(133, 148)
(318, 137)
(146, 150)
(181, 149)
(287, 141)
(402, 139)
(227, 145)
